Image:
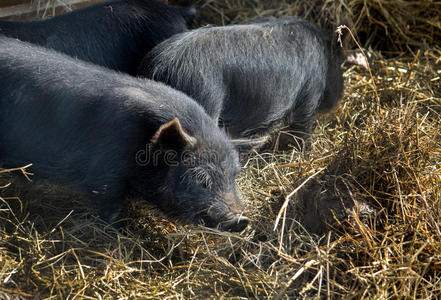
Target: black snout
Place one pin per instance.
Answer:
(235, 224)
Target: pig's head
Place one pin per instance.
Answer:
(199, 182)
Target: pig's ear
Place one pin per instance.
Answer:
(246, 145)
(171, 136)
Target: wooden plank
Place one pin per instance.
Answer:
(27, 9)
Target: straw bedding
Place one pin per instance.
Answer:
(354, 215)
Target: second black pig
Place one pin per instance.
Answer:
(254, 78)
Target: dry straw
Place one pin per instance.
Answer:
(392, 26)
(372, 172)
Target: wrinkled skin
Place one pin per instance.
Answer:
(219, 205)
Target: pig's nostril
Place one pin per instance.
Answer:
(236, 224)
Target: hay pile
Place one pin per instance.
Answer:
(391, 26)
(376, 161)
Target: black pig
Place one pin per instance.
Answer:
(254, 78)
(85, 125)
(115, 34)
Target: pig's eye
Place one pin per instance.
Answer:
(205, 180)
(201, 176)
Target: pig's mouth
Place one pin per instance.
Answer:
(230, 222)
(236, 224)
